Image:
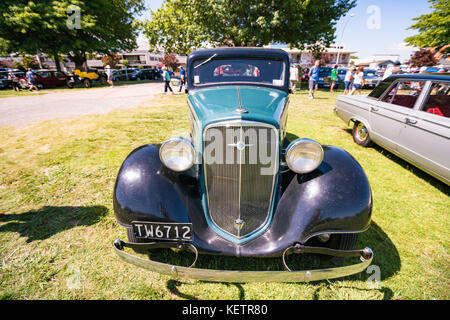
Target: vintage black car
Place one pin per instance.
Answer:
(237, 186)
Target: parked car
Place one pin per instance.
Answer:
(175, 81)
(371, 78)
(85, 78)
(4, 82)
(407, 115)
(44, 79)
(237, 186)
(123, 74)
(144, 74)
(325, 77)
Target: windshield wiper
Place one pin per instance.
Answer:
(206, 61)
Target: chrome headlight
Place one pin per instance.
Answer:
(177, 154)
(304, 155)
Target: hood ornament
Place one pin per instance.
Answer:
(241, 110)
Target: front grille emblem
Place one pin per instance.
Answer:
(239, 225)
(240, 145)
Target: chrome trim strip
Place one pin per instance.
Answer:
(264, 225)
(245, 276)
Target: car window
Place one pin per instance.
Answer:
(404, 93)
(438, 101)
(3, 75)
(370, 73)
(380, 89)
(268, 71)
(45, 74)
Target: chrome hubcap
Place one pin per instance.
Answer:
(361, 132)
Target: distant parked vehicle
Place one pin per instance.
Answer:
(85, 79)
(324, 77)
(372, 78)
(44, 79)
(408, 115)
(144, 74)
(123, 74)
(4, 82)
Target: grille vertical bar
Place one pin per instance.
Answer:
(240, 190)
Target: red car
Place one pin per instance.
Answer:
(47, 79)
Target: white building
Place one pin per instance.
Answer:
(377, 60)
(305, 57)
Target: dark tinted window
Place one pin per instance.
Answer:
(268, 71)
(380, 89)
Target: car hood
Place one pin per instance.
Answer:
(219, 103)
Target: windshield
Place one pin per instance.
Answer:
(370, 73)
(219, 70)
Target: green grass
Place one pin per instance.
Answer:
(56, 234)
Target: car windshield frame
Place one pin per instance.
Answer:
(228, 70)
(239, 55)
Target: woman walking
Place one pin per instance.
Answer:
(166, 78)
(348, 80)
(358, 83)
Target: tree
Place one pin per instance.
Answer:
(111, 59)
(433, 28)
(27, 62)
(170, 60)
(423, 58)
(101, 26)
(182, 25)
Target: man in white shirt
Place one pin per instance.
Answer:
(293, 77)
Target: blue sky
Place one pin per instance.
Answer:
(366, 34)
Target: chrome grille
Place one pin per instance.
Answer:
(239, 186)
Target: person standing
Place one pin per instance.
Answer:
(293, 76)
(109, 75)
(14, 80)
(314, 79)
(166, 78)
(348, 80)
(358, 83)
(334, 77)
(182, 78)
(31, 78)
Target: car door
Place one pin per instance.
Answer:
(60, 78)
(387, 115)
(425, 135)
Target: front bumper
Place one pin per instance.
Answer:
(366, 256)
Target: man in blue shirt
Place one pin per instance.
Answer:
(314, 79)
(31, 80)
(182, 78)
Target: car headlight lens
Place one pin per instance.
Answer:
(304, 155)
(177, 154)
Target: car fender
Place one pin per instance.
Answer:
(146, 190)
(335, 198)
(355, 118)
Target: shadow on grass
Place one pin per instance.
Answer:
(386, 257)
(47, 221)
(410, 167)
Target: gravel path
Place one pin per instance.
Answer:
(20, 111)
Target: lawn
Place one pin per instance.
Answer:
(57, 224)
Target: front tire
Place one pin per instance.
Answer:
(361, 135)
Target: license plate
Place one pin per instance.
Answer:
(163, 231)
